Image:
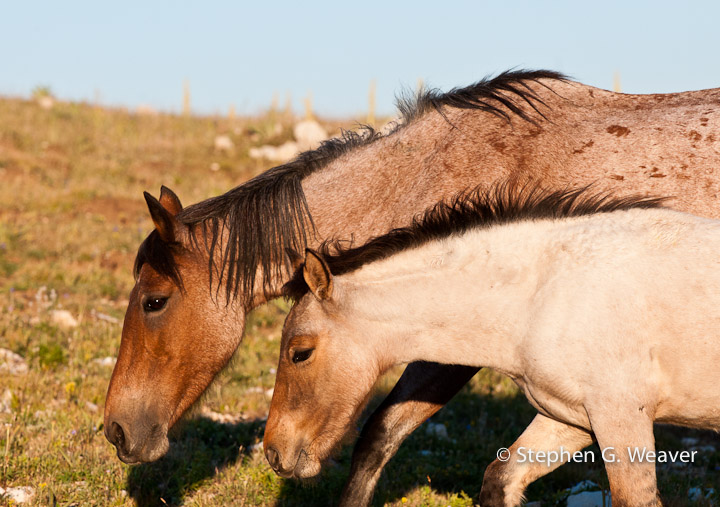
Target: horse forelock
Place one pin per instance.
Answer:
(159, 255)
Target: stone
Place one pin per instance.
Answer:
(281, 153)
(20, 494)
(309, 134)
(224, 143)
(12, 363)
(437, 430)
(589, 499)
(63, 319)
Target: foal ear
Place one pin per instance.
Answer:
(317, 275)
(170, 201)
(295, 259)
(165, 223)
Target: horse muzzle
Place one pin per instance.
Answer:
(139, 443)
(303, 468)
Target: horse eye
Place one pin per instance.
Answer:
(154, 304)
(301, 355)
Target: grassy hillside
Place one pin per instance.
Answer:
(71, 218)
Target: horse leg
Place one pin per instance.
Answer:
(423, 389)
(619, 432)
(505, 481)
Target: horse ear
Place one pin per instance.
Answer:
(170, 201)
(295, 259)
(317, 275)
(165, 222)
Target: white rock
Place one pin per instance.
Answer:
(281, 153)
(46, 102)
(21, 494)
(105, 317)
(224, 143)
(91, 406)
(63, 318)
(105, 361)
(589, 499)
(12, 363)
(309, 134)
(6, 402)
(220, 418)
(583, 486)
(437, 430)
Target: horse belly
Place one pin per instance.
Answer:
(689, 393)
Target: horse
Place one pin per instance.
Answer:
(604, 311)
(204, 267)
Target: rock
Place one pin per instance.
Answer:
(256, 447)
(281, 153)
(46, 102)
(220, 418)
(224, 143)
(12, 363)
(589, 499)
(583, 486)
(309, 134)
(21, 494)
(105, 361)
(63, 319)
(105, 317)
(91, 406)
(437, 430)
(6, 402)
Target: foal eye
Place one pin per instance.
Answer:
(154, 304)
(301, 355)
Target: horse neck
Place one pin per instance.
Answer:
(461, 301)
(384, 184)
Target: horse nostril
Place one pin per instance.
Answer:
(116, 435)
(273, 458)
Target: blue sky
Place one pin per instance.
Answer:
(241, 53)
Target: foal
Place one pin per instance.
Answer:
(605, 312)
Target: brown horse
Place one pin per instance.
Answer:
(204, 267)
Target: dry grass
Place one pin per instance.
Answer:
(71, 218)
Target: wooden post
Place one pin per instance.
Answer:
(371, 104)
(308, 107)
(186, 98)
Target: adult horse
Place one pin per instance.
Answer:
(204, 267)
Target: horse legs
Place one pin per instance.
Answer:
(505, 481)
(423, 389)
(620, 433)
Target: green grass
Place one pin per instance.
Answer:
(71, 218)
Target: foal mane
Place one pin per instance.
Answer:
(258, 220)
(502, 203)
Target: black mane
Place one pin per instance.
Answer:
(260, 219)
(503, 203)
(501, 96)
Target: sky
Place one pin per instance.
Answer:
(241, 54)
